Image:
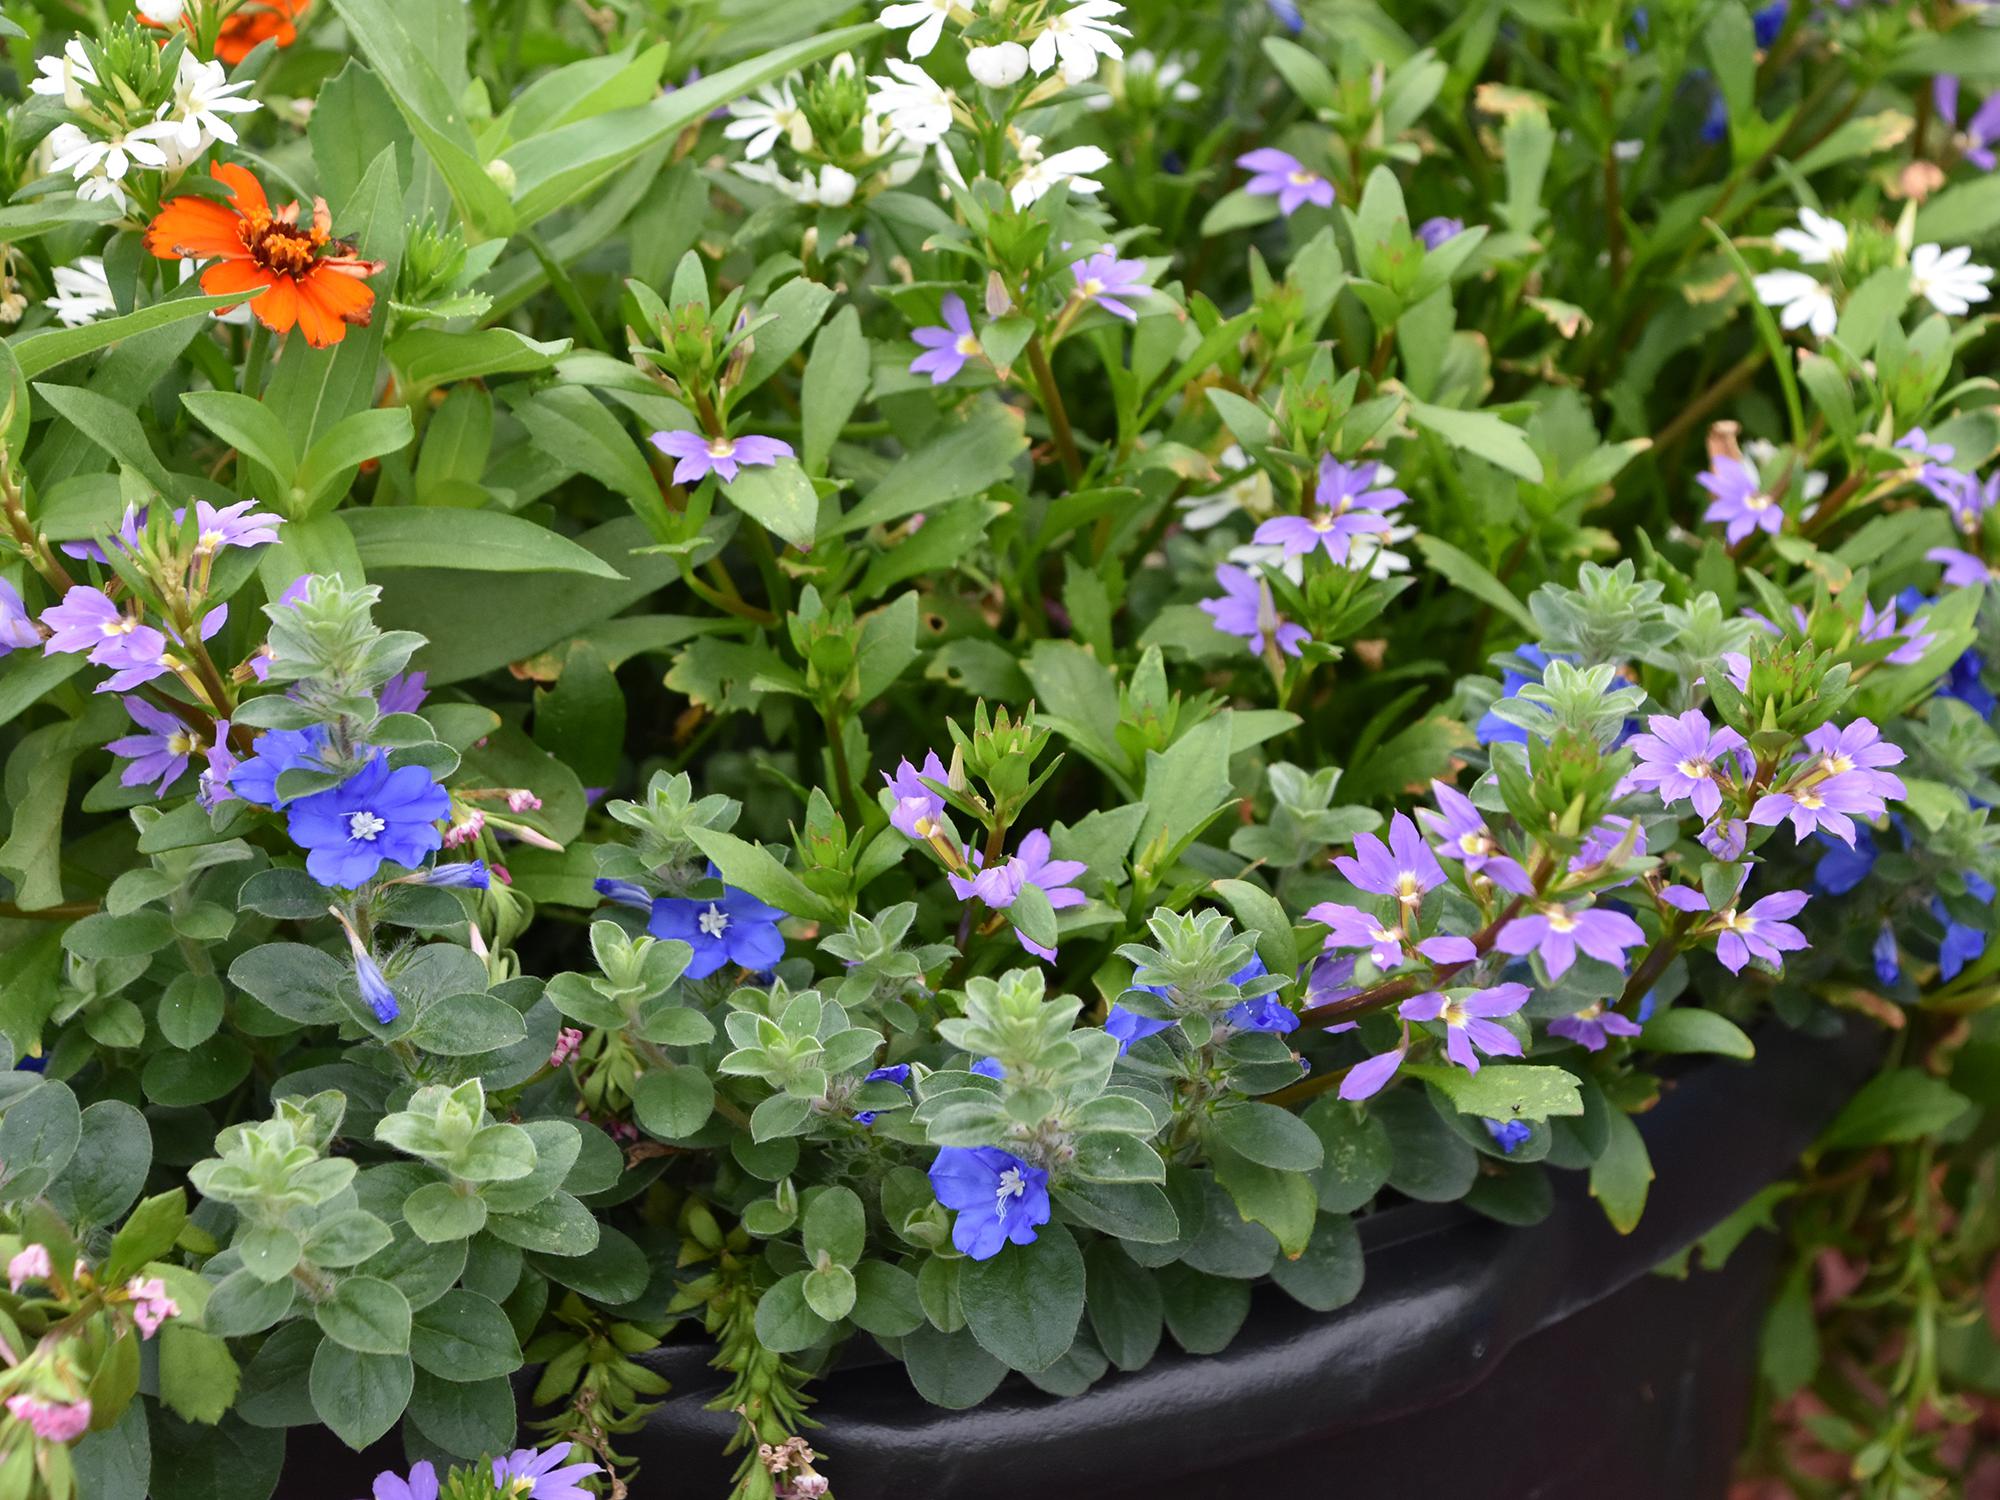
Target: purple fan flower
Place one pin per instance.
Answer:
(701, 456)
(1404, 868)
(1976, 141)
(996, 885)
(998, 1198)
(1508, 1135)
(1435, 232)
(1469, 1025)
(1366, 1079)
(1831, 804)
(1725, 838)
(17, 629)
(1604, 841)
(161, 755)
(1741, 934)
(1460, 833)
(1593, 1027)
(88, 621)
(946, 349)
(1247, 609)
(1859, 751)
(1884, 626)
(1053, 876)
(1557, 932)
(1129, 1026)
(1957, 490)
(403, 693)
(1110, 282)
(1683, 758)
(238, 525)
(1961, 569)
(126, 538)
(525, 1474)
(1353, 928)
(1739, 499)
(736, 929)
(377, 815)
(421, 1485)
(276, 752)
(1351, 506)
(1887, 957)
(1281, 175)
(919, 811)
(213, 787)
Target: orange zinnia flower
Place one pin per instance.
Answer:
(313, 279)
(258, 21)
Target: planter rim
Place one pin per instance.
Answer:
(1448, 1293)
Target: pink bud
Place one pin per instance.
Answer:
(32, 1264)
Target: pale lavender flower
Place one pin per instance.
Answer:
(1685, 757)
(1281, 175)
(919, 811)
(421, 1485)
(1593, 1027)
(996, 885)
(1725, 838)
(17, 628)
(1460, 833)
(1760, 930)
(88, 621)
(525, 1474)
(1884, 626)
(1468, 1021)
(1366, 1079)
(1956, 489)
(1559, 932)
(1351, 927)
(1860, 751)
(1404, 868)
(238, 525)
(31, 1264)
(403, 694)
(161, 754)
(1606, 840)
(1053, 876)
(1351, 505)
(213, 788)
(723, 456)
(1961, 569)
(1739, 499)
(1436, 231)
(1247, 609)
(1832, 804)
(946, 349)
(1975, 142)
(1111, 283)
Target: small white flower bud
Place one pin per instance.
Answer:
(998, 66)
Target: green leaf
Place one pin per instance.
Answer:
(950, 1369)
(469, 1025)
(836, 1226)
(483, 541)
(198, 1378)
(786, 1322)
(360, 1396)
(1268, 1135)
(1505, 1091)
(1283, 1201)
(147, 1235)
(430, 357)
(1259, 912)
(963, 461)
(39, 1133)
(836, 381)
(439, 1213)
(829, 1291)
(753, 868)
(1622, 1173)
(787, 319)
(464, 1336)
(331, 463)
(112, 427)
(885, 1300)
(1688, 1028)
(108, 1168)
(1357, 1154)
(248, 426)
(1126, 1309)
(367, 1316)
(1328, 1274)
(1903, 1104)
(780, 498)
(41, 352)
(1024, 1303)
(1469, 574)
(1482, 434)
(673, 1103)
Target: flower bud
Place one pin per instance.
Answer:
(999, 66)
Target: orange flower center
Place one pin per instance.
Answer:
(280, 246)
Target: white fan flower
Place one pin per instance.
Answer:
(926, 16)
(82, 293)
(61, 75)
(1803, 300)
(1818, 241)
(162, 12)
(203, 98)
(1077, 38)
(913, 102)
(1947, 279)
(766, 117)
(1040, 173)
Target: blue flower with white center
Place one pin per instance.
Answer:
(999, 1198)
(277, 751)
(1508, 1135)
(735, 928)
(374, 817)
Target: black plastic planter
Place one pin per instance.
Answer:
(1482, 1361)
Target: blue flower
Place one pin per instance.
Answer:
(735, 929)
(1287, 14)
(1494, 730)
(1959, 946)
(1888, 964)
(376, 815)
(1507, 1134)
(998, 1197)
(375, 989)
(1841, 869)
(1265, 1013)
(1769, 21)
(278, 751)
(989, 1067)
(624, 892)
(471, 875)
(1129, 1026)
(894, 1073)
